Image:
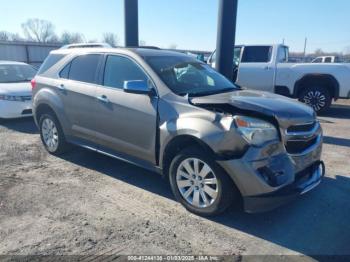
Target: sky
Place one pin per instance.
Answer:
(192, 24)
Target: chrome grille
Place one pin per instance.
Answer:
(301, 128)
(300, 139)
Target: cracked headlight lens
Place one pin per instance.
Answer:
(255, 131)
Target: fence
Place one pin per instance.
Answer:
(28, 52)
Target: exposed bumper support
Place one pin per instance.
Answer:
(308, 180)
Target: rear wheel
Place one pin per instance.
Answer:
(200, 184)
(52, 135)
(318, 98)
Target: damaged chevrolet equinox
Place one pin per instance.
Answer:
(217, 144)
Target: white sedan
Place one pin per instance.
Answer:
(15, 89)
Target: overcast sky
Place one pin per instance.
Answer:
(191, 24)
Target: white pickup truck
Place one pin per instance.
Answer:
(266, 68)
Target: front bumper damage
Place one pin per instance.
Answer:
(305, 181)
(269, 177)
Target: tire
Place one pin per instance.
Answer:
(221, 194)
(54, 140)
(318, 98)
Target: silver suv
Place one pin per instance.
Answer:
(170, 113)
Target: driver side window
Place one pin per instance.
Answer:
(120, 69)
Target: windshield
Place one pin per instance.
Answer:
(185, 75)
(16, 73)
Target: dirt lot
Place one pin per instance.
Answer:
(86, 203)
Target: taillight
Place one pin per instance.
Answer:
(33, 82)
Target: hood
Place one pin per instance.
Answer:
(16, 89)
(284, 110)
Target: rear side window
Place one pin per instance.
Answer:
(119, 69)
(83, 68)
(257, 54)
(50, 61)
(65, 71)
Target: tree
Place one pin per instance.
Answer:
(7, 36)
(111, 39)
(71, 38)
(319, 52)
(16, 37)
(39, 30)
(4, 36)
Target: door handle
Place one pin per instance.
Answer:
(103, 99)
(267, 67)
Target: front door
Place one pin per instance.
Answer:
(127, 122)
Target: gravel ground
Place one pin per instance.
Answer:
(88, 204)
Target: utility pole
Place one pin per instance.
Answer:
(305, 44)
(131, 23)
(227, 19)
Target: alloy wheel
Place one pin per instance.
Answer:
(197, 183)
(315, 99)
(50, 134)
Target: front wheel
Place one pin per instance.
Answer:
(318, 98)
(199, 184)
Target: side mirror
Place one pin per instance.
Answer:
(136, 87)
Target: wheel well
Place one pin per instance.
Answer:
(176, 145)
(42, 109)
(327, 81)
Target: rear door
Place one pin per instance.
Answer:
(77, 88)
(126, 122)
(256, 68)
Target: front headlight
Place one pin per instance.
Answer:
(255, 131)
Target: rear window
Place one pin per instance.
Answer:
(16, 73)
(84, 68)
(257, 54)
(50, 61)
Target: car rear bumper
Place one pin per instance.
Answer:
(15, 109)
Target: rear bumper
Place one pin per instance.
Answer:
(306, 180)
(15, 109)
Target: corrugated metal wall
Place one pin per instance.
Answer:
(28, 52)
